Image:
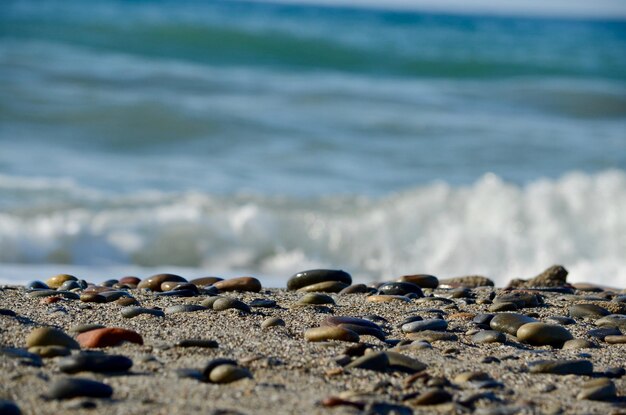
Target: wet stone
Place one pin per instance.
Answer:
(578, 344)
(318, 334)
(400, 288)
(202, 343)
(509, 322)
(49, 293)
(129, 280)
(272, 322)
(315, 299)
(205, 281)
(310, 277)
(562, 320)
(262, 303)
(250, 284)
(7, 312)
(69, 388)
(489, 336)
(598, 390)
(324, 287)
(134, 311)
(92, 298)
(95, 362)
(9, 408)
(562, 367)
(70, 285)
(421, 280)
(183, 308)
(355, 289)
(540, 334)
(154, 282)
(46, 336)
(432, 324)
(37, 285)
(58, 280)
(587, 311)
(225, 303)
(127, 301)
(503, 307)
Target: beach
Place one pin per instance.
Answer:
(450, 370)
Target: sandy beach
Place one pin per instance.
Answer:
(286, 373)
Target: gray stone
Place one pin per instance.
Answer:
(509, 322)
(578, 344)
(540, 334)
(377, 361)
(587, 311)
(314, 276)
(134, 311)
(184, 308)
(489, 336)
(68, 388)
(598, 390)
(432, 324)
(225, 303)
(562, 367)
(95, 362)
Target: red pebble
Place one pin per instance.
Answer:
(50, 300)
(108, 336)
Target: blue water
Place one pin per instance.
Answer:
(232, 137)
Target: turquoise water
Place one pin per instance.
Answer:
(232, 137)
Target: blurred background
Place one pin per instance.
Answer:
(384, 138)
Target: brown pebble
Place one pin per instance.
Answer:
(324, 287)
(47, 336)
(381, 298)
(154, 282)
(109, 336)
(239, 284)
(615, 339)
(205, 281)
(333, 401)
(126, 301)
(272, 322)
(92, 298)
(421, 280)
(58, 280)
(319, 334)
(131, 281)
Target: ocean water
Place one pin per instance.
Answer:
(230, 138)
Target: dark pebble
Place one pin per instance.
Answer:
(7, 312)
(9, 408)
(489, 336)
(509, 322)
(304, 278)
(262, 303)
(377, 361)
(562, 367)
(133, 311)
(587, 311)
(95, 362)
(400, 288)
(207, 344)
(433, 324)
(69, 388)
(601, 333)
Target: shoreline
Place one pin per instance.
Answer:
(290, 374)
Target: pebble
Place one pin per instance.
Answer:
(499, 307)
(203, 343)
(49, 293)
(209, 301)
(432, 324)
(134, 311)
(520, 299)
(50, 351)
(81, 328)
(459, 292)
(95, 362)
(262, 303)
(7, 312)
(612, 320)
(432, 336)
(324, 287)
(70, 285)
(314, 276)
(509, 322)
(356, 289)
(9, 408)
(404, 363)
(108, 336)
(615, 339)
(273, 322)
(471, 377)
(376, 361)
(614, 372)
(154, 282)
(421, 280)
(470, 281)
(37, 285)
(562, 320)
(315, 299)
(483, 320)
(239, 284)
(130, 280)
(540, 334)
(489, 336)
(433, 396)
(47, 336)
(225, 303)
(400, 288)
(387, 298)
(68, 388)
(333, 401)
(601, 389)
(562, 367)
(578, 344)
(58, 280)
(555, 276)
(318, 334)
(205, 281)
(228, 373)
(183, 308)
(587, 311)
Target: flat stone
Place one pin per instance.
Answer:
(404, 363)
(56, 293)
(7, 312)
(69, 388)
(587, 311)
(208, 303)
(615, 339)
(421, 280)
(540, 334)
(376, 361)
(173, 285)
(225, 303)
(324, 287)
(228, 373)
(387, 298)
(432, 324)
(562, 367)
(489, 336)
(319, 334)
(183, 308)
(400, 288)
(92, 298)
(470, 281)
(69, 285)
(499, 307)
(575, 344)
(9, 408)
(272, 322)
(202, 343)
(601, 389)
(47, 336)
(126, 301)
(612, 320)
(262, 303)
(509, 322)
(601, 333)
(432, 336)
(95, 362)
(338, 320)
(314, 276)
(109, 336)
(212, 364)
(355, 289)
(433, 396)
(562, 320)
(250, 284)
(465, 377)
(129, 280)
(50, 351)
(483, 319)
(37, 285)
(134, 311)
(205, 281)
(315, 299)
(521, 299)
(154, 282)
(58, 280)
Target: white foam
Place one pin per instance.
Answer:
(492, 227)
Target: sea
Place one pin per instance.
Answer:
(253, 138)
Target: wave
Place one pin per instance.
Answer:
(490, 227)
